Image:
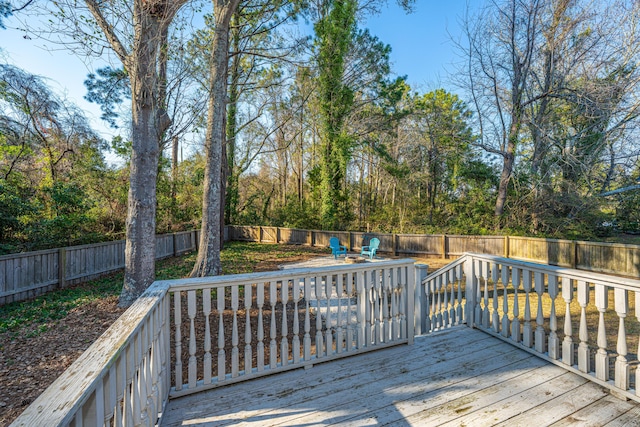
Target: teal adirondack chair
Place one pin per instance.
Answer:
(371, 248)
(336, 247)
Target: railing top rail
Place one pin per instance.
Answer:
(452, 264)
(587, 276)
(61, 400)
(285, 274)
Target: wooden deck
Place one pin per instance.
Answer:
(460, 377)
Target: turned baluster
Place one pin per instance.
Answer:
(495, 317)
(459, 309)
(402, 305)
(339, 331)
(567, 342)
(177, 319)
(554, 342)
(284, 342)
(540, 334)
(377, 307)
(360, 313)
(445, 303)
(452, 298)
(273, 328)
(527, 331)
(296, 321)
(328, 318)
(505, 302)
(260, 350)
(477, 311)
(193, 362)
(486, 317)
(222, 369)
(248, 350)
(350, 317)
(235, 339)
(433, 289)
(584, 361)
(386, 305)
(515, 323)
(602, 357)
(206, 310)
(319, 337)
(395, 314)
(621, 301)
(307, 321)
(369, 318)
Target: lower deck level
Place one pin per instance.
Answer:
(458, 377)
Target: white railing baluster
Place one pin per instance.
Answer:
(339, 330)
(206, 310)
(135, 381)
(284, 342)
(433, 289)
(554, 342)
(248, 350)
(477, 285)
(495, 317)
(360, 295)
(319, 337)
(402, 290)
(515, 323)
(177, 319)
(193, 362)
(377, 307)
(273, 346)
(328, 333)
(222, 368)
(296, 320)
(307, 320)
(445, 302)
(459, 309)
(527, 330)
(350, 317)
(621, 301)
(540, 334)
(505, 301)
(260, 303)
(453, 320)
(567, 342)
(235, 336)
(486, 316)
(602, 358)
(368, 290)
(584, 361)
(386, 305)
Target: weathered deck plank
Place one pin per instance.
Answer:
(461, 377)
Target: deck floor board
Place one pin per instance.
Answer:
(456, 377)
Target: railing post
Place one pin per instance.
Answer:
(420, 302)
(470, 290)
(411, 290)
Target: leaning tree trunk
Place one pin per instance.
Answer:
(208, 261)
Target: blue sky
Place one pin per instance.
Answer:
(421, 49)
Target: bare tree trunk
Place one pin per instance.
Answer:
(208, 261)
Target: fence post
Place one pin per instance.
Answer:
(175, 245)
(395, 244)
(277, 234)
(62, 267)
(310, 237)
(574, 254)
(420, 301)
(444, 246)
(506, 246)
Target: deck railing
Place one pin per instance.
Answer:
(184, 336)
(588, 323)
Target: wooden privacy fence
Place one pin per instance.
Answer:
(614, 258)
(29, 274)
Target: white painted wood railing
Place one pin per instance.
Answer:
(193, 333)
(232, 328)
(122, 379)
(574, 319)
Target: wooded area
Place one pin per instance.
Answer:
(314, 130)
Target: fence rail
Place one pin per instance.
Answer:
(24, 276)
